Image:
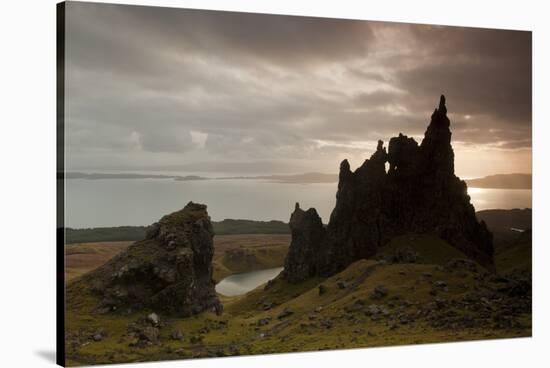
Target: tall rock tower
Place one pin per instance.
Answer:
(420, 193)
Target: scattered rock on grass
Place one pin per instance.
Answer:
(372, 309)
(177, 335)
(150, 334)
(379, 292)
(269, 284)
(99, 335)
(154, 319)
(403, 255)
(285, 313)
(263, 321)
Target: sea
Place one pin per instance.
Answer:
(118, 202)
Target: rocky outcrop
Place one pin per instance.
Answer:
(169, 272)
(307, 235)
(419, 193)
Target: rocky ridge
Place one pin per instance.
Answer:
(419, 193)
(169, 272)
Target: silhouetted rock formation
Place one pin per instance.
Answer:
(419, 194)
(170, 271)
(307, 235)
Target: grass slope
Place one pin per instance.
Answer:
(336, 319)
(82, 258)
(501, 222)
(517, 257)
(429, 249)
(426, 302)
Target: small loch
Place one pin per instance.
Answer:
(242, 283)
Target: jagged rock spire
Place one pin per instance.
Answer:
(419, 194)
(436, 145)
(442, 108)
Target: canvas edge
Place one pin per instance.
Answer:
(60, 184)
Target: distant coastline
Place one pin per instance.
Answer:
(499, 181)
(502, 181)
(104, 176)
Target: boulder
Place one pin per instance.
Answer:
(285, 313)
(379, 292)
(154, 319)
(150, 334)
(99, 334)
(263, 321)
(177, 335)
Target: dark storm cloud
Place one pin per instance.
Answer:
(114, 36)
(196, 90)
(485, 74)
(496, 62)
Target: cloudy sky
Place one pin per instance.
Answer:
(159, 89)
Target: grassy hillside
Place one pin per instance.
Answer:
(517, 257)
(425, 248)
(409, 293)
(229, 227)
(82, 258)
(501, 222)
(368, 304)
(513, 249)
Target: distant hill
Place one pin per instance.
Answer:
(502, 181)
(504, 220)
(101, 176)
(230, 226)
(517, 256)
(105, 234)
(307, 178)
(499, 222)
(511, 237)
(134, 233)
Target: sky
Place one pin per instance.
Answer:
(199, 92)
